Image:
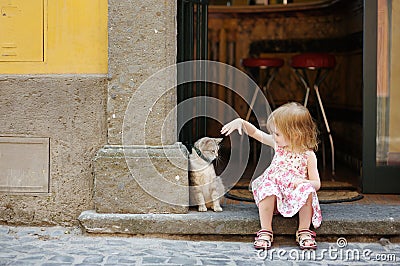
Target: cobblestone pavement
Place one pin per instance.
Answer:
(67, 246)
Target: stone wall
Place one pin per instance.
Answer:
(82, 113)
(70, 110)
(142, 41)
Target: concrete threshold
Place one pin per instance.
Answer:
(241, 220)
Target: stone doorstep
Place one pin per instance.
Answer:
(338, 219)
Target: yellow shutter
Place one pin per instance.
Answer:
(21, 30)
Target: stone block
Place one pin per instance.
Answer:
(141, 179)
(339, 220)
(69, 111)
(142, 37)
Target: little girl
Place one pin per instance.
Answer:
(288, 186)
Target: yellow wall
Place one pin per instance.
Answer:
(75, 39)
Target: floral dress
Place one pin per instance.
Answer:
(277, 180)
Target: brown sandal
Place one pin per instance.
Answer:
(264, 239)
(305, 235)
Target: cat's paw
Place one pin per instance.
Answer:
(217, 209)
(202, 209)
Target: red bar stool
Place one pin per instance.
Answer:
(263, 72)
(321, 63)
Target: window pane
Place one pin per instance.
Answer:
(388, 91)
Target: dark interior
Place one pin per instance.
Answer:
(335, 27)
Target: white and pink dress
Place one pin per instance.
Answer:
(277, 180)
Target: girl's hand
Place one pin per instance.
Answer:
(236, 124)
(298, 181)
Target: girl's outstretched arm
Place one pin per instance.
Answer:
(242, 125)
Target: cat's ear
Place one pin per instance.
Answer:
(197, 143)
(218, 140)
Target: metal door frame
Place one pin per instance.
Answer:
(192, 45)
(375, 178)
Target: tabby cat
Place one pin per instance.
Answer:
(206, 187)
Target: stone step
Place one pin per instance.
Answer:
(338, 219)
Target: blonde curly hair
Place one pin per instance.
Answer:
(296, 124)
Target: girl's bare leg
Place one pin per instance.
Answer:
(305, 214)
(266, 211)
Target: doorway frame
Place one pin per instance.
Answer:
(375, 178)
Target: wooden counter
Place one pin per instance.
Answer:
(276, 8)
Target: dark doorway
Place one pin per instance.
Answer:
(192, 45)
(345, 28)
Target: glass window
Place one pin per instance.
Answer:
(388, 83)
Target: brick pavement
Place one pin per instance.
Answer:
(68, 246)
